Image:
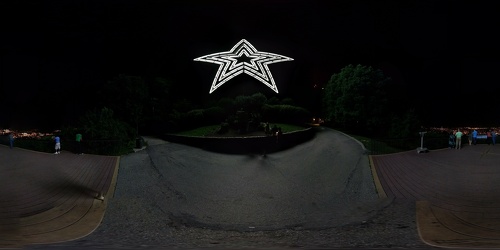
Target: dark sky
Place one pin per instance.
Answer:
(54, 54)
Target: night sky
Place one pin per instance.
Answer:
(55, 54)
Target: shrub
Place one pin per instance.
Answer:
(285, 113)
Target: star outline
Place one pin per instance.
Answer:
(229, 67)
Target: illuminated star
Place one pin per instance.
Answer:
(231, 64)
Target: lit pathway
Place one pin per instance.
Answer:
(46, 198)
(457, 193)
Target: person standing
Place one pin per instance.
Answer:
(493, 136)
(79, 144)
(451, 140)
(458, 136)
(474, 137)
(58, 145)
(488, 137)
(11, 140)
(278, 134)
(469, 137)
(267, 129)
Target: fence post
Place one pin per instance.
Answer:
(421, 148)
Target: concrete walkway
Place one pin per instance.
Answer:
(47, 198)
(327, 182)
(457, 193)
(323, 183)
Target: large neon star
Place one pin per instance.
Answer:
(256, 67)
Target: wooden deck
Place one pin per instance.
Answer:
(47, 198)
(457, 193)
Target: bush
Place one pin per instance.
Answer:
(40, 145)
(285, 113)
(102, 134)
(213, 115)
(224, 128)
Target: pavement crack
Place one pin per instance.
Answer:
(485, 152)
(166, 184)
(153, 165)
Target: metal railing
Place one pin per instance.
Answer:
(393, 145)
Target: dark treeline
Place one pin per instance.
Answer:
(359, 99)
(362, 100)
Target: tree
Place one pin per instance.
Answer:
(404, 125)
(103, 133)
(159, 95)
(102, 125)
(356, 98)
(127, 96)
(285, 113)
(159, 106)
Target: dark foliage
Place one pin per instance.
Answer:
(362, 100)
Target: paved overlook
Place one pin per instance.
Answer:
(313, 185)
(326, 193)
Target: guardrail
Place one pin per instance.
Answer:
(391, 145)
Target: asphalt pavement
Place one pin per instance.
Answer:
(320, 193)
(322, 183)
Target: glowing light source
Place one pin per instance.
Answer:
(256, 67)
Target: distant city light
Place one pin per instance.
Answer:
(30, 134)
(230, 67)
(465, 129)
